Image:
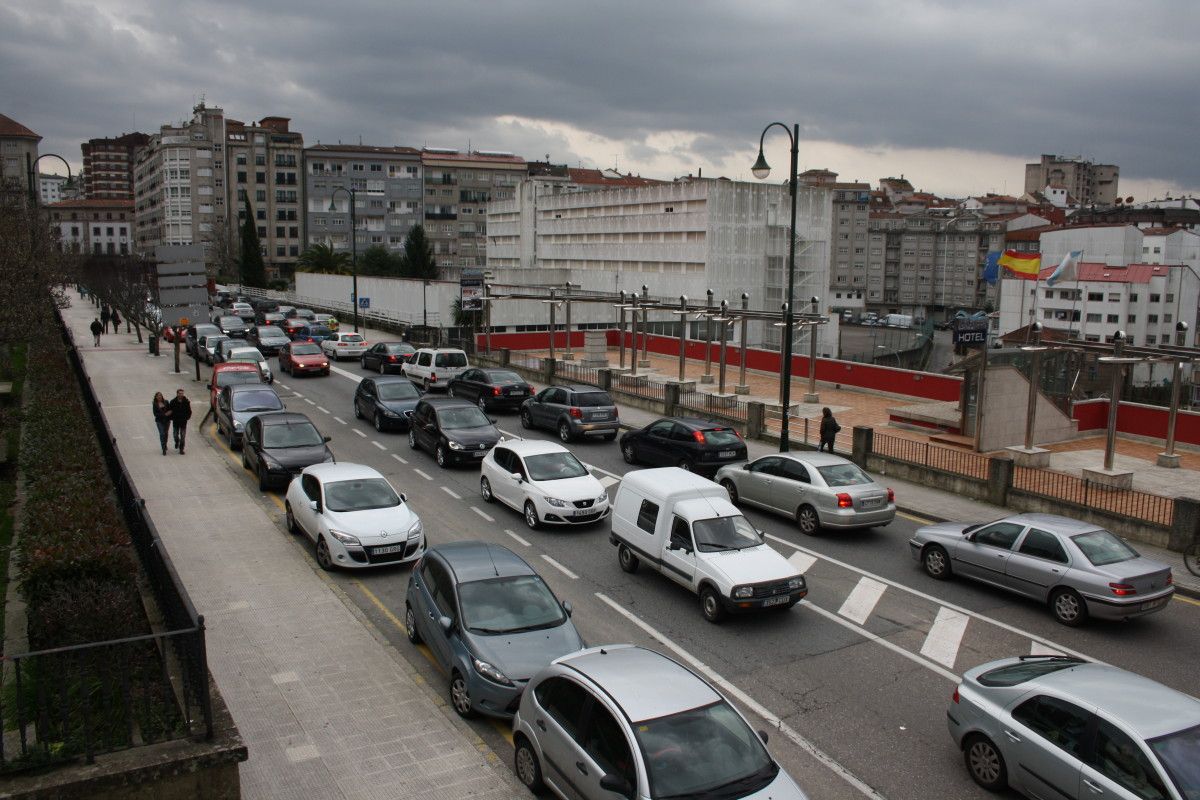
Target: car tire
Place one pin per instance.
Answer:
(245, 463)
(357, 410)
(526, 419)
(564, 431)
(531, 517)
(710, 605)
(410, 625)
(381, 367)
(485, 490)
(289, 519)
(936, 562)
(325, 372)
(412, 440)
(263, 484)
(525, 764)
(807, 520)
(985, 764)
(628, 561)
(439, 455)
(324, 559)
(1068, 608)
(629, 453)
(450, 392)
(378, 422)
(729, 487)
(460, 696)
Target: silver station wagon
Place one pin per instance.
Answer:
(1079, 569)
(818, 490)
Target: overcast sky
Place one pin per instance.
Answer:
(956, 96)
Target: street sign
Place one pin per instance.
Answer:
(364, 302)
(182, 316)
(470, 288)
(182, 283)
(971, 332)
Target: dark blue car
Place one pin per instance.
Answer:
(388, 401)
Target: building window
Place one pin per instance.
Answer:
(1131, 318)
(262, 231)
(1155, 298)
(1152, 319)
(1114, 297)
(279, 231)
(1093, 317)
(1151, 339)
(1170, 298)
(1113, 318)
(1167, 318)
(1095, 297)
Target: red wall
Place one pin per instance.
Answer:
(1138, 420)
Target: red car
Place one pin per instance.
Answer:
(229, 373)
(303, 358)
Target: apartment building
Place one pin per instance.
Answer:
(263, 166)
(52, 188)
(101, 227)
(387, 185)
(849, 222)
(457, 190)
(108, 166)
(1085, 181)
(18, 149)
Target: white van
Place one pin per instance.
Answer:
(684, 526)
(435, 367)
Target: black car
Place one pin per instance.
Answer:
(491, 389)
(196, 331)
(453, 430)
(387, 356)
(269, 318)
(387, 402)
(267, 338)
(690, 443)
(231, 325)
(277, 445)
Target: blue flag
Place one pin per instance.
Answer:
(991, 268)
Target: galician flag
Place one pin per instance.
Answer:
(1068, 268)
(1022, 265)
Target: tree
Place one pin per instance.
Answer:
(378, 260)
(253, 271)
(222, 255)
(418, 255)
(323, 258)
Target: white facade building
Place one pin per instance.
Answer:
(50, 188)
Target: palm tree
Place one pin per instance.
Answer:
(323, 258)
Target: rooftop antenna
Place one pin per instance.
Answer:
(494, 567)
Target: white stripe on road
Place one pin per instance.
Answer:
(560, 568)
(942, 643)
(282, 385)
(322, 410)
(422, 474)
(297, 394)
(488, 517)
(345, 374)
(452, 493)
(757, 708)
(802, 561)
(879, 640)
(398, 458)
(608, 481)
(518, 538)
(511, 435)
(360, 433)
(1039, 649)
(339, 419)
(861, 601)
(310, 402)
(377, 444)
(603, 471)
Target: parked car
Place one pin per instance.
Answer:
(302, 358)
(252, 355)
(690, 443)
(353, 517)
(292, 327)
(818, 490)
(276, 446)
(490, 621)
(209, 345)
(306, 314)
(624, 721)
(572, 411)
(1079, 569)
(387, 356)
(387, 401)
(194, 332)
(434, 368)
(453, 430)
(344, 345)
(544, 481)
(311, 332)
(492, 389)
(232, 326)
(232, 375)
(328, 320)
(1058, 726)
(237, 404)
(267, 338)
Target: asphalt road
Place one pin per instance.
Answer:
(850, 684)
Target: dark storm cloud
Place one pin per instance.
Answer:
(1108, 80)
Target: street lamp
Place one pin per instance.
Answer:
(761, 170)
(353, 246)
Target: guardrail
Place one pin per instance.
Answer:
(1152, 508)
(948, 459)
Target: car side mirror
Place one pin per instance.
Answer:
(446, 623)
(492, 420)
(566, 604)
(403, 497)
(518, 477)
(315, 506)
(617, 784)
(327, 438)
(746, 466)
(763, 735)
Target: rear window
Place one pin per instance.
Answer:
(721, 436)
(1015, 674)
(237, 377)
(593, 399)
(235, 322)
(305, 350)
(1101, 548)
(844, 475)
(400, 348)
(450, 360)
(319, 330)
(352, 337)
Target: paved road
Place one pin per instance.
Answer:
(853, 683)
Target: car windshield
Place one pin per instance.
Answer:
(593, 399)
(257, 400)
(360, 495)
(450, 360)
(509, 605)
(721, 437)
(400, 390)
(505, 377)
(724, 533)
(702, 751)
(291, 434)
(306, 350)
(1101, 548)
(844, 475)
(1179, 753)
(465, 417)
(234, 378)
(231, 322)
(554, 466)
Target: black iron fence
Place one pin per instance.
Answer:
(1152, 508)
(714, 405)
(576, 373)
(948, 459)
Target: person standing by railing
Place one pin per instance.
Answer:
(829, 430)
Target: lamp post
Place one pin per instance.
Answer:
(743, 387)
(353, 246)
(812, 396)
(31, 163)
(761, 170)
(621, 309)
(645, 360)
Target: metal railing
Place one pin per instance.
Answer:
(946, 459)
(637, 386)
(714, 405)
(1152, 508)
(575, 373)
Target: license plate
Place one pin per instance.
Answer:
(391, 548)
(874, 502)
(480, 453)
(727, 454)
(600, 415)
(782, 599)
(583, 512)
(1153, 604)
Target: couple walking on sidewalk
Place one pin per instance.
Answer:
(175, 413)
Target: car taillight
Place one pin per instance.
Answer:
(495, 391)
(1170, 578)
(698, 436)
(1122, 589)
(844, 500)
(392, 359)
(891, 496)
(955, 696)
(432, 378)
(576, 413)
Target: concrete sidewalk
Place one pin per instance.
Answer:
(326, 707)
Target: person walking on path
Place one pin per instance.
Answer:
(105, 315)
(829, 430)
(97, 329)
(162, 418)
(181, 412)
(116, 321)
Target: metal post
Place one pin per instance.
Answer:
(553, 303)
(743, 387)
(645, 327)
(1176, 377)
(683, 312)
(783, 384)
(724, 343)
(570, 354)
(633, 356)
(979, 387)
(708, 339)
(621, 328)
(812, 397)
(1035, 377)
(487, 319)
(1114, 400)
(354, 258)
(424, 306)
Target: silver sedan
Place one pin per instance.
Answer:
(819, 490)
(1079, 569)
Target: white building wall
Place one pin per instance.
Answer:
(1110, 244)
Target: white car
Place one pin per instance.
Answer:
(253, 356)
(544, 481)
(353, 516)
(344, 345)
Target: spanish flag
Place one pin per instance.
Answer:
(1022, 265)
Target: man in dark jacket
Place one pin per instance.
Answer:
(181, 412)
(105, 315)
(115, 319)
(97, 329)
(829, 430)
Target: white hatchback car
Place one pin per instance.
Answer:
(344, 345)
(353, 516)
(544, 481)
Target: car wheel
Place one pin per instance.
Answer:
(628, 561)
(531, 517)
(710, 605)
(485, 489)
(439, 456)
(290, 518)
(425, 384)
(564, 431)
(526, 419)
(807, 520)
(1068, 607)
(357, 410)
(410, 625)
(381, 367)
(323, 557)
(460, 696)
(378, 422)
(936, 562)
(525, 762)
(412, 440)
(685, 465)
(450, 392)
(262, 478)
(729, 487)
(629, 453)
(985, 763)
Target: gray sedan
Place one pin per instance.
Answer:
(1079, 569)
(819, 490)
(1061, 727)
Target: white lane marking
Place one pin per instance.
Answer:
(1039, 649)
(360, 433)
(945, 637)
(895, 648)
(488, 517)
(377, 444)
(787, 730)
(938, 601)
(802, 562)
(560, 568)
(398, 458)
(861, 601)
(518, 538)
(452, 493)
(345, 374)
(339, 419)
(297, 394)
(282, 385)
(603, 471)
(509, 435)
(322, 410)
(422, 474)
(310, 402)
(608, 481)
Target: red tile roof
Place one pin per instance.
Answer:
(361, 148)
(14, 130)
(1097, 272)
(594, 177)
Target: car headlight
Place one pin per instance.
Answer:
(796, 583)
(455, 446)
(387, 412)
(491, 673)
(324, 363)
(415, 531)
(743, 591)
(345, 538)
(237, 426)
(554, 501)
(603, 498)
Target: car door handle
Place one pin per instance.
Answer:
(1093, 787)
(541, 724)
(579, 765)
(1012, 736)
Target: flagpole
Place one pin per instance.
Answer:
(1075, 302)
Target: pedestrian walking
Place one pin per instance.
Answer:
(116, 321)
(829, 430)
(97, 329)
(162, 418)
(181, 412)
(105, 315)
